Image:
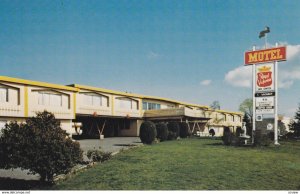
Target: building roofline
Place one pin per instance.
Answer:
(37, 83)
(230, 112)
(136, 95)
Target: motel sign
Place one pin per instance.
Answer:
(264, 75)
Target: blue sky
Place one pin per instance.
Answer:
(187, 50)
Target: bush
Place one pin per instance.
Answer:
(98, 155)
(148, 132)
(227, 136)
(173, 130)
(162, 131)
(289, 136)
(40, 146)
(236, 140)
(212, 132)
(261, 139)
(184, 130)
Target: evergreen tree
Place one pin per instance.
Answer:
(295, 124)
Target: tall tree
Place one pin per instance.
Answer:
(246, 107)
(215, 105)
(295, 124)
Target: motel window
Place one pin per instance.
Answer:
(151, 106)
(127, 103)
(145, 106)
(170, 106)
(95, 100)
(3, 94)
(49, 99)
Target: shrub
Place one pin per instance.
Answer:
(227, 136)
(148, 132)
(236, 140)
(289, 136)
(261, 139)
(173, 129)
(98, 155)
(184, 130)
(40, 146)
(162, 131)
(271, 135)
(212, 132)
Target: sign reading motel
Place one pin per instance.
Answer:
(267, 55)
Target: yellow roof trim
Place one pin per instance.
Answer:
(135, 95)
(37, 83)
(230, 112)
(91, 88)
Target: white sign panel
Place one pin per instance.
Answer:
(264, 105)
(264, 78)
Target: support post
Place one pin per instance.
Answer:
(253, 98)
(276, 103)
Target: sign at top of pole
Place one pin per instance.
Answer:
(265, 56)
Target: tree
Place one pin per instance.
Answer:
(215, 105)
(281, 128)
(295, 124)
(247, 107)
(39, 145)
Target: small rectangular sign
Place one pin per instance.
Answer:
(264, 94)
(264, 105)
(264, 78)
(267, 55)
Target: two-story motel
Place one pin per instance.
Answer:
(113, 113)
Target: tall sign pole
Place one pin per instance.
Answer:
(253, 99)
(276, 103)
(265, 87)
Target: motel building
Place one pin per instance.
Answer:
(86, 111)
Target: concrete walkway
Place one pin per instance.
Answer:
(112, 144)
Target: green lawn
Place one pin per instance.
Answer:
(194, 164)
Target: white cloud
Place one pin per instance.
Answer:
(205, 82)
(292, 51)
(240, 77)
(287, 77)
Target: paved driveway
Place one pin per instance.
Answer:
(111, 144)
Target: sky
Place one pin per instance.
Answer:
(191, 51)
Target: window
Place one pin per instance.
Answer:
(3, 94)
(151, 106)
(145, 106)
(95, 100)
(49, 99)
(127, 103)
